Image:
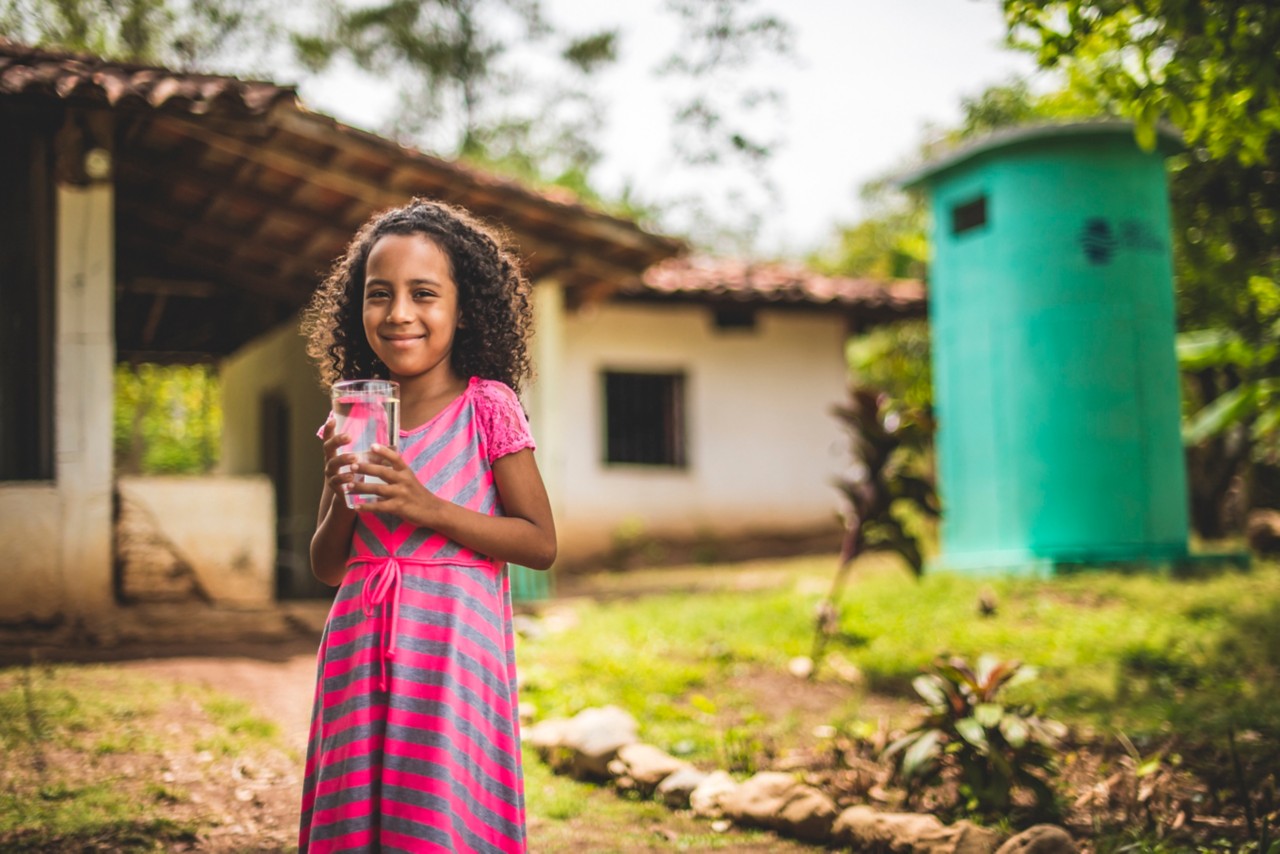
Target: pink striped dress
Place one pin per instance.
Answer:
(415, 739)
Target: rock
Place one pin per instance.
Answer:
(642, 767)
(1262, 530)
(1040, 839)
(865, 829)
(706, 798)
(809, 815)
(974, 839)
(545, 735)
(759, 799)
(778, 801)
(676, 790)
(963, 837)
(594, 736)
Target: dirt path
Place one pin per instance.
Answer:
(280, 688)
(279, 682)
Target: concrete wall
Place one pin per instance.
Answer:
(56, 536)
(276, 364)
(762, 445)
(543, 398)
(217, 533)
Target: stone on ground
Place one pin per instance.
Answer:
(642, 767)
(707, 797)
(594, 737)
(1040, 839)
(676, 790)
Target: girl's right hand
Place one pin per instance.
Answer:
(337, 465)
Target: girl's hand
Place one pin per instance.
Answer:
(400, 493)
(337, 465)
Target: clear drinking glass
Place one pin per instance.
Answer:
(368, 411)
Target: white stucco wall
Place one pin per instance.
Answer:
(542, 399)
(223, 528)
(57, 535)
(31, 535)
(276, 363)
(762, 445)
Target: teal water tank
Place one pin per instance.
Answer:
(1055, 377)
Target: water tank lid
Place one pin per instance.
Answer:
(1168, 141)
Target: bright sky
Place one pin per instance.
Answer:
(871, 76)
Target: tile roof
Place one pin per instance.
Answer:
(737, 280)
(88, 79)
(231, 194)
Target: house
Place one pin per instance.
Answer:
(152, 215)
(694, 406)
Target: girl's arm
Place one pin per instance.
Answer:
(526, 535)
(331, 543)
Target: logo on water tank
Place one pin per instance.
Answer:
(1101, 241)
(1098, 241)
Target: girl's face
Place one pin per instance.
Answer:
(410, 307)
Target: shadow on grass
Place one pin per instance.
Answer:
(125, 836)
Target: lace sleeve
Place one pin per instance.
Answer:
(502, 422)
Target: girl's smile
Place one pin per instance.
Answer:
(411, 307)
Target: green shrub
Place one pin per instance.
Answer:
(996, 748)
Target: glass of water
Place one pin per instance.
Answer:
(368, 411)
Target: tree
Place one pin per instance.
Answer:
(1209, 66)
(167, 420)
(198, 34)
(474, 79)
(726, 118)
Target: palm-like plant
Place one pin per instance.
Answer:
(889, 442)
(997, 748)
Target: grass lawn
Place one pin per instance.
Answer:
(1170, 670)
(1158, 678)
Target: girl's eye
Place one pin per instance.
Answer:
(376, 293)
(422, 293)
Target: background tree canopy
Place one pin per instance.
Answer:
(1212, 69)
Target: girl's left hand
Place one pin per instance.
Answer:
(400, 493)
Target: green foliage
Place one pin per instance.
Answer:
(183, 34)
(895, 358)
(725, 113)
(167, 420)
(465, 88)
(996, 747)
(1251, 402)
(1209, 66)
(890, 246)
(888, 440)
(888, 492)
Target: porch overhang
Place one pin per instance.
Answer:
(233, 199)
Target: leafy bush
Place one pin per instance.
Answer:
(996, 748)
(168, 419)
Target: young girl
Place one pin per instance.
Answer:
(415, 742)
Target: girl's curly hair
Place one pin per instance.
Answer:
(493, 296)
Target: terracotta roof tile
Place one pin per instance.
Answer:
(747, 281)
(25, 70)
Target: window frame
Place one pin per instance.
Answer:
(675, 451)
